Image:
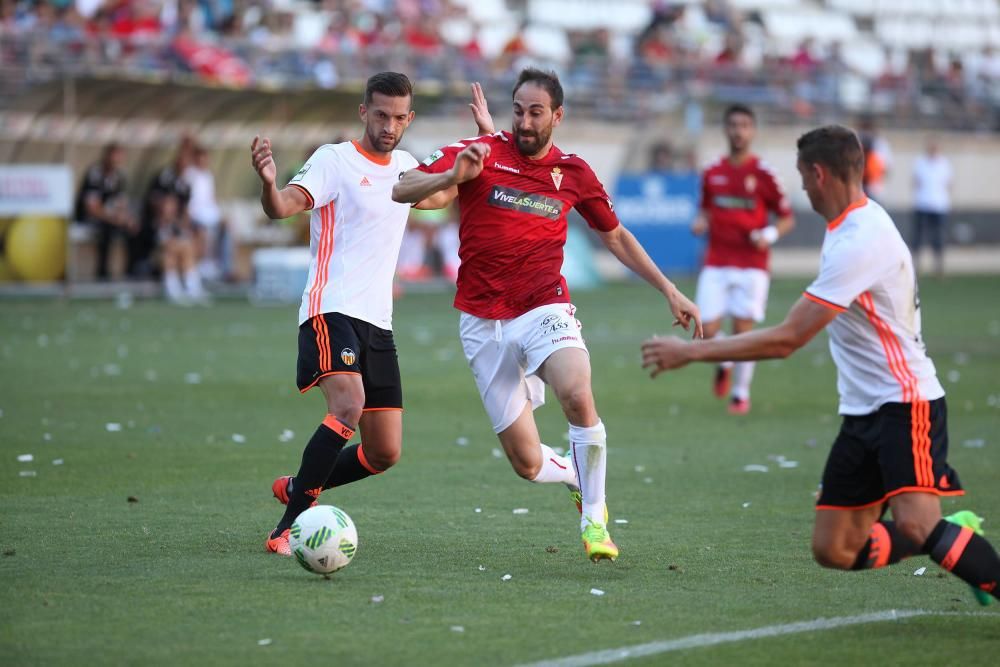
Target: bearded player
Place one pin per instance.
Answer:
(517, 325)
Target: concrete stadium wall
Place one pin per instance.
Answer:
(70, 123)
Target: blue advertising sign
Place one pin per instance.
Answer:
(658, 208)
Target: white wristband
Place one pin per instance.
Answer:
(769, 234)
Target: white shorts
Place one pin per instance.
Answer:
(732, 292)
(505, 354)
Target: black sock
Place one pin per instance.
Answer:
(350, 467)
(966, 555)
(885, 546)
(318, 460)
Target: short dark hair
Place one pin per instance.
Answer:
(110, 148)
(392, 84)
(546, 80)
(835, 147)
(733, 109)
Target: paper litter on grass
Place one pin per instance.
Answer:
(264, 642)
(478, 510)
(113, 427)
(457, 628)
(57, 462)
(47, 437)
(192, 378)
(520, 510)
(482, 568)
(239, 438)
(497, 453)
(27, 473)
(287, 435)
(377, 598)
(462, 441)
(621, 522)
(25, 458)
(505, 577)
(919, 572)
(755, 467)
(596, 591)
(746, 505)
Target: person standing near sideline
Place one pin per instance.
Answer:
(932, 180)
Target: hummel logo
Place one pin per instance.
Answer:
(506, 168)
(365, 183)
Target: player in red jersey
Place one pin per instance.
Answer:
(518, 327)
(738, 194)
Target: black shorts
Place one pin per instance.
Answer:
(334, 343)
(900, 448)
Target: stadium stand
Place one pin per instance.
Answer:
(800, 57)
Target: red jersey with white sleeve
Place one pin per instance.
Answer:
(512, 225)
(738, 199)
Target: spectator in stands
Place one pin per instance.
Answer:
(167, 182)
(732, 50)
(102, 203)
(804, 60)
(178, 252)
(932, 181)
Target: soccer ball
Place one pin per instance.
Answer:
(323, 539)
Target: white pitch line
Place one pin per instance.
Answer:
(714, 638)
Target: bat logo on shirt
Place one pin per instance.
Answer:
(302, 172)
(432, 158)
(348, 356)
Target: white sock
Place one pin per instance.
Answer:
(172, 286)
(192, 279)
(589, 445)
(555, 468)
(742, 375)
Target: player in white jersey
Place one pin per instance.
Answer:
(893, 443)
(345, 321)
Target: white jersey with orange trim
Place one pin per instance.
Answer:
(355, 231)
(866, 274)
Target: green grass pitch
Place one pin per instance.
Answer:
(202, 396)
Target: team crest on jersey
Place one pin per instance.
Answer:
(348, 356)
(302, 172)
(432, 158)
(557, 177)
(750, 183)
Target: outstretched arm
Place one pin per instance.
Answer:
(803, 322)
(277, 204)
(417, 186)
(623, 245)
